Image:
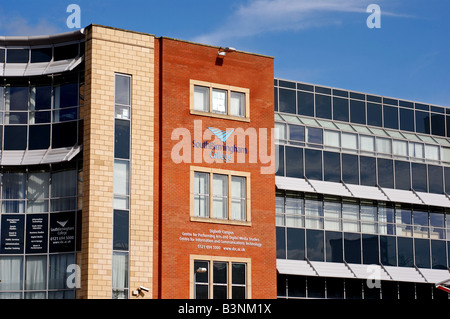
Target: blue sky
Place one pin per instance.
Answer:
(325, 42)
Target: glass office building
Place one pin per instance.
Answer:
(361, 203)
(41, 92)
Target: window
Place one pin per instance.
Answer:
(220, 278)
(219, 100)
(220, 195)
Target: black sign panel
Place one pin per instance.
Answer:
(62, 232)
(12, 229)
(36, 233)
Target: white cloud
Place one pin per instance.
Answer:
(261, 16)
(19, 26)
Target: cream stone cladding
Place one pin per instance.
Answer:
(110, 51)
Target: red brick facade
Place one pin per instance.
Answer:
(177, 63)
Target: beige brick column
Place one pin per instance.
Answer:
(110, 51)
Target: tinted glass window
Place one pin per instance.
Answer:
(357, 112)
(42, 97)
(385, 173)
(407, 120)
(334, 246)
(340, 109)
(287, 101)
(66, 95)
(390, 117)
(331, 167)
(447, 179)
(422, 253)
(39, 137)
(388, 250)
(295, 243)
(18, 98)
(438, 260)
(405, 252)
(435, 179)
(352, 248)
(374, 114)
(323, 106)
(438, 124)
(17, 56)
(350, 169)
(122, 139)
(281, 242)
(422, 122)
(315, 135)
(2, 55)
(402, 175)
(314, 242)
(15, 138)
(294, 161)
(419, 177)
(305, 103)
(66, 52)
(368, 171)
(275, 96)
(120, 232)
(41, 55)
(313, 164)
(64, 134)
(370, 249)
(279, 160)
(297, 133)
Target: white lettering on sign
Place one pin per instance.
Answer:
(220, 240)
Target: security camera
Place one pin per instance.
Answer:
(144, 288)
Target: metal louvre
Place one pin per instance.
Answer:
(402, 196)
(369, 271)
(33, 157)
(330, 188)
(408, 274)
(295, 267)
(435, 276)
(293, 184)
(434, 199)
(330, 269)
(366, 192)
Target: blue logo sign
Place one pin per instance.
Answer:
(222, 135)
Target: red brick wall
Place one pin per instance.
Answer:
(178, 62)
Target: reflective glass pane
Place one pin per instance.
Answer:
(66, 52)
(17, 98)
(17, 56)
(405, 252)
(402, 175)
(352, 248)
(388, 250)
(237, 103)
(419, 177)
(331, 167)
(41, 55)
(39, 137)
(122, 139)
(334, 246)
(368, 171)
(390, 115)
(422, 122)
(122, 89)
(323, 106)
(357, 112)
(374, 114)
(294, 161)
(385, 173)
(287, 101)
(315, 245)
(297, 133)
(313, 164)
(438, 124)
(15, 138)
(295, 243)
(407, 120)
(350, 169)
(305, 103)
(219, 101)
(340, 109)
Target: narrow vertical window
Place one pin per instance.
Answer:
(121, 186)
(201, 194)
(220, 196)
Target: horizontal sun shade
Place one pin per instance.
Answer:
(294, 184)
(330, 188)
(401, 196)
(30, 69)
(295, 267)
(33, 157)
(369, 271)
(434, 199)
(408, 274)
(329, 269)
(435, 276)
(367, 192)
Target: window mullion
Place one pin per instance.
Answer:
(210, 212)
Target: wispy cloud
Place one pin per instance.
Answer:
(261, 16)
(19, 26)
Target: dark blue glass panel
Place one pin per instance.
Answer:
(374, 114)
(422, 122)
(305, 103)
(340, 109)
(438, 124)
(315, 245)
(331, 166)
(39, 137)
(323, 106)
(350, 169)
(287, 101)
(390, 115)
(368, 171)
(279, 160)
(313, 164)
(402, 175)
(385, 173)
(435, 179)
(407, 120)
(419, 177)
(294, 161)
(352, 248)
(334, 246)
(15, 138)
(422, 253)
(388, 250)
(281, 242)
(357, 112)
(120, 232)
(64, 134)
(405, 252)
(438, 260)
(370, 249)
(122, 139)
(295, 243)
